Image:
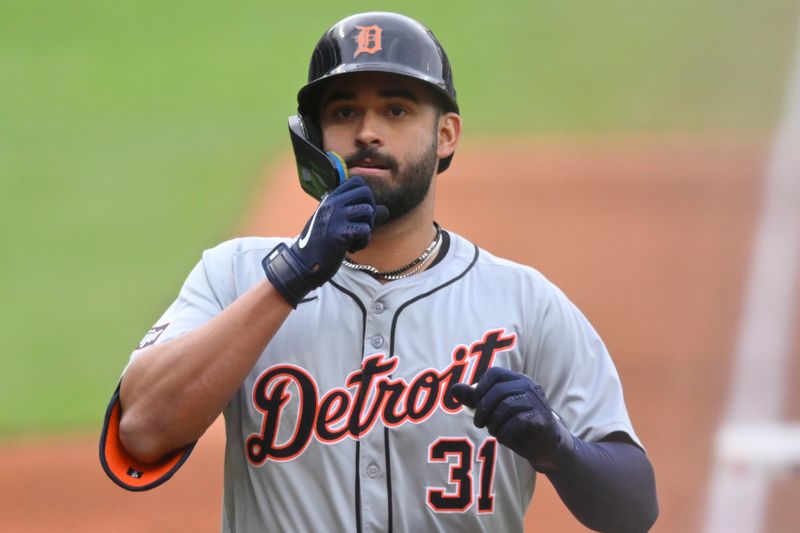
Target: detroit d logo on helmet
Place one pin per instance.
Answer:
(368, 39)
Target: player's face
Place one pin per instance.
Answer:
(388, 129)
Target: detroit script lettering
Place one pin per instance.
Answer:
(369, 393)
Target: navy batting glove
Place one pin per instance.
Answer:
(342, 223)
(513, 407)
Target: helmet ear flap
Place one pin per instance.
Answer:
(313, 130)
(319, 172)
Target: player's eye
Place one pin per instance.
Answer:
(397, 111)
(344, 113)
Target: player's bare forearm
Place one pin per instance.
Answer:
(172, 392)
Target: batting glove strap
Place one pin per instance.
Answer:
(287, 274)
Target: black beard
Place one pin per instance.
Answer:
(407, 187)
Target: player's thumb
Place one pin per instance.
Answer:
(381, 214)
(463, 394)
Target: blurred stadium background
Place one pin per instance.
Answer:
(135, 134)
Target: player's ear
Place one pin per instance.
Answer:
(449, 130)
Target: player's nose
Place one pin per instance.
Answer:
(369, 133)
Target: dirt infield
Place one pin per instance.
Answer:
(649, 236)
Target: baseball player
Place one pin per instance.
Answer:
(378, 372)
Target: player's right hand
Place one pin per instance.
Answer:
(342, 223)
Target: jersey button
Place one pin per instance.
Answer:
(373, 470)
(377, 341)
(378, 308)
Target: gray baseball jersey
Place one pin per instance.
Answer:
(343, 424)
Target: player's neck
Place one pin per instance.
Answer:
(397, 243)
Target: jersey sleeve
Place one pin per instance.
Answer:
(207, 291)
(574, 368)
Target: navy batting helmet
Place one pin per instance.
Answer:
(379, 42)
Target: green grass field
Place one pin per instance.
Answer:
(132, 133)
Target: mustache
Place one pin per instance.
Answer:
(373, 154)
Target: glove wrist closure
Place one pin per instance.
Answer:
(287, 274)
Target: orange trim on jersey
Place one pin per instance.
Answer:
(124, 469)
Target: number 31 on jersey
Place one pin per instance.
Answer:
(457, 453)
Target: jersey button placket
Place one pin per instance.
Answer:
(372, 450)
(373, 471)
(376, 341)
(377, 308)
